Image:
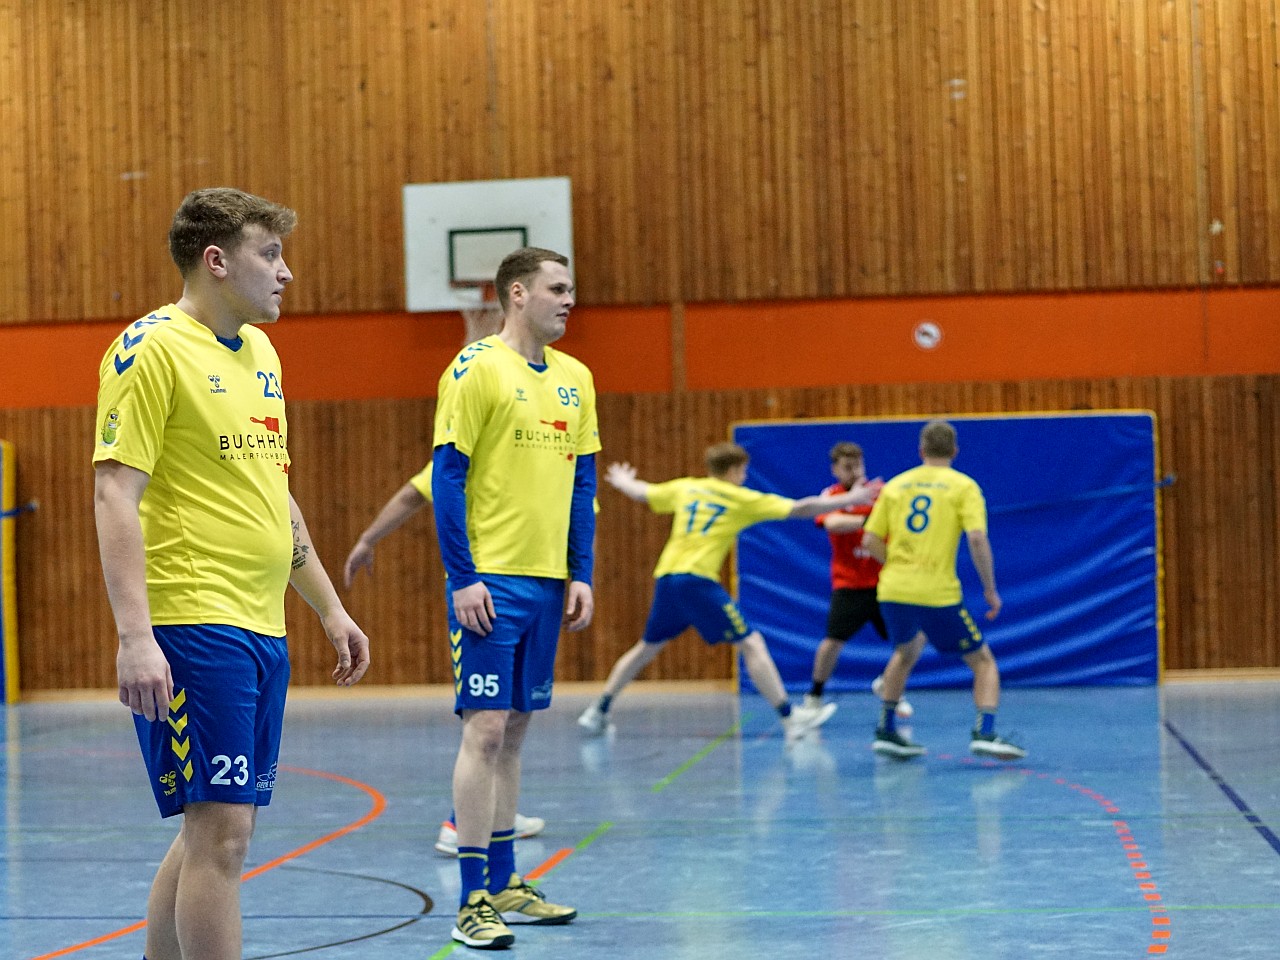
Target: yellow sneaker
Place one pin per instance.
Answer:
(521, 903)
(480, 926)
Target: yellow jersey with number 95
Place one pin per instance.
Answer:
(523, 426)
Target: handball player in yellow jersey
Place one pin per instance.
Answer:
(199, 538)
(708, 513)
(513, 485)
(914, 529)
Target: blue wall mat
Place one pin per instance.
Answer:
(1071, 502)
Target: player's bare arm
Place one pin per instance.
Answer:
(394, 514)
(843, 522)
(861, 493)
(873, 545)
(622, 477)
(984, 563)
(142, 672)
(310, 579)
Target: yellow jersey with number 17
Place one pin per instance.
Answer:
(921, 514)
(204, 419)
(523, 426)
(708, 516)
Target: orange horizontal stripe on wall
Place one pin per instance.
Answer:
(343, 356)
(739, 345)
(1016, 337)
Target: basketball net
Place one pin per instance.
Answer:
(485, 317)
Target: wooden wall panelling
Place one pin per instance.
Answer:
(1220, 530)
(744, 150)
(15, 209)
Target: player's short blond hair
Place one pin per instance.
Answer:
(216, 217)
(723, 457)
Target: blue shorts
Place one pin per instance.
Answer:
(221, 740)
(683, 600)
(948, 629)
(512, 667)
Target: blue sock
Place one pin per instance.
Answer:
(986, 722)
(502, 859)
(606, 701)
(784, 710)
(889, 715)
(473, 863)
(453, 817)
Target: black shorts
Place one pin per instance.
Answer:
(850, 610)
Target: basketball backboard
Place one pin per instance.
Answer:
(456, 234)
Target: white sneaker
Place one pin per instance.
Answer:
(447, 842)
(905, 711)
(813, 706)
(594, 722)
(802, 720)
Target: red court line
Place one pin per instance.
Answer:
(379, 805)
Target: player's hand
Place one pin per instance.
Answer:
(473, 606)
(620, 474)
(867, 490)
(146, 682)
(580, 605)
(994, 603)
(361, 557)
(352, 646)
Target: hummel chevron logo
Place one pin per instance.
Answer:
(123, 365)
(130, 343)
(457, 374)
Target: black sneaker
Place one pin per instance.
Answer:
(891, 743)
(993, 745)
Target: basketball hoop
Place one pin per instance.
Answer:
(485, 317)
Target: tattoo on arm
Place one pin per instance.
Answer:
(300, 549)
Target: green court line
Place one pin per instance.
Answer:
(591, 837)
(607, 825)
(698, 757)
(950, 912)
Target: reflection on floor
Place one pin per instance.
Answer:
(1144, 822)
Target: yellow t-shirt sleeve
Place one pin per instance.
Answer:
(421, 481)
(135, 397)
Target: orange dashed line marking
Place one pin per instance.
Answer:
(1133, 853)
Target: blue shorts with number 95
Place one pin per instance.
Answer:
(512, 667)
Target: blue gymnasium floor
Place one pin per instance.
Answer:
(1143, 823)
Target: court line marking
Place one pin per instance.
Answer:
(560, 855)
(379, 805)
(1147, 887)
(1238, 801)
(698, 757)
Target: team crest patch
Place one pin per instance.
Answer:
(110, 425)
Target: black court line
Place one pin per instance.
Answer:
(427, 905)
(1253, 819)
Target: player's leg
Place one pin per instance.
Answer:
(162, 931)
(902, 622)
(873, 616)
(484, 674)
(213, 759)
(984, 741)
(666, 621)
(840, 627)
(535, 656)
(207, 908)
